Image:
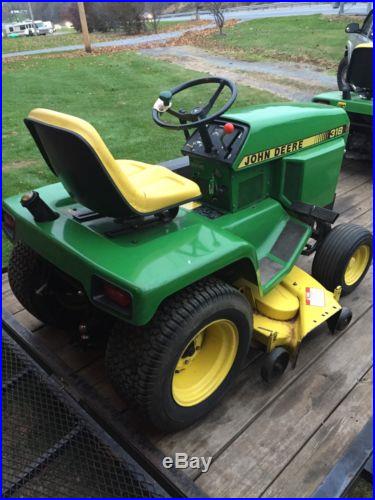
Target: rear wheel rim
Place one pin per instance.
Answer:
(205, 362)
(357, 265)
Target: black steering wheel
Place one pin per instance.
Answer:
(199, 115)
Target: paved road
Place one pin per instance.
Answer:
(295, 10)
(294, 81)
(239, 14)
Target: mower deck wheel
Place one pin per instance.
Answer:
(343, 257)
(341, 320)
(275, 364)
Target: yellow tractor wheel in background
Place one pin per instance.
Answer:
(343, 257)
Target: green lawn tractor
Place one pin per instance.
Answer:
(189, 264)
(356, 99)
(356, 35)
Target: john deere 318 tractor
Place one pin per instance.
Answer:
(189, 263)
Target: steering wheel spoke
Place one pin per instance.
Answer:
(175, 113)
(213, 99)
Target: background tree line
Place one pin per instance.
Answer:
(126, 17)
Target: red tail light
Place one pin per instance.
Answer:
(116, 295)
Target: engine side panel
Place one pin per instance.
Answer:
(279, 130)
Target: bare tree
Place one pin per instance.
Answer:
(155, 9)
(197, 7)
(216, 10)
(56, 12)
(126, 17)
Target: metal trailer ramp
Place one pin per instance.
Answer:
(53, 448)
(355, 462)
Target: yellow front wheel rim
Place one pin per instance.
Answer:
(357, 265)
(205, 362)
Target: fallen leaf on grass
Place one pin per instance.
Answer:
(18, 164)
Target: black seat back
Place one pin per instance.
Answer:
(75, 162)
(360, 67)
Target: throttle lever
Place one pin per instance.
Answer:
(228, 129)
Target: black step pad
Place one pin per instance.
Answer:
(317, 213)
(288, 240)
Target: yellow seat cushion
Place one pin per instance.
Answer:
(147, 188)
(158, 186)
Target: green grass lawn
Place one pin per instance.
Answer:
(316, 39)
(49, 41)
(74, 38)
(114, 92)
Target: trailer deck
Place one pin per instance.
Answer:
(278, 440)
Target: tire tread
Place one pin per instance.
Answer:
(332, 255)
(133, 353)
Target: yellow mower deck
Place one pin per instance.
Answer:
(291, 310)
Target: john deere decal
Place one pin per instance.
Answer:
(291, 147)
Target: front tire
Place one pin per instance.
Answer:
(343, 257)
(342, 73)
(177, 368)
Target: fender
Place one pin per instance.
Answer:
(157, 261)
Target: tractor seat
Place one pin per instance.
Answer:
(76, 153)
(359, 73)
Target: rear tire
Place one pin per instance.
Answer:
(30, 280)
(343, 258)
(342, 73)
(146, 364)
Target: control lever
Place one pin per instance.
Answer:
(228, 129)
(206, 139)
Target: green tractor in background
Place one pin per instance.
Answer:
(356, 98)
(357, 35)
(188, 264)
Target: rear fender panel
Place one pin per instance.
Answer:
(155, 262)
